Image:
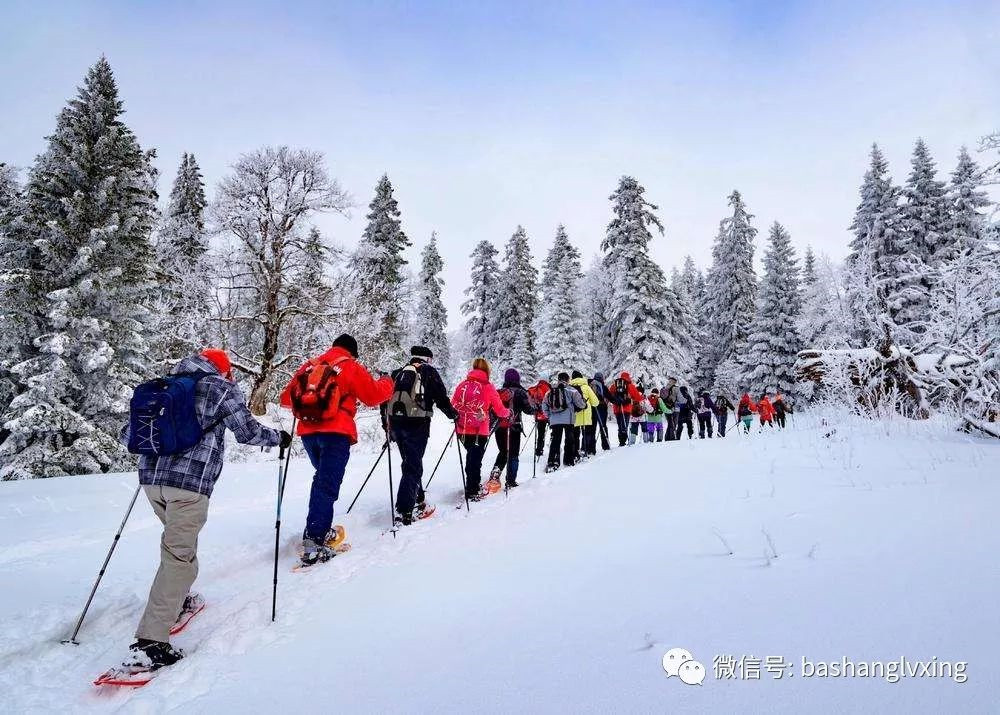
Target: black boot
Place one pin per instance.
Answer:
(154, 654)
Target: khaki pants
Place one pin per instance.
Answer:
(183, 514)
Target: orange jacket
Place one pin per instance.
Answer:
(766, 409)
(355, 384)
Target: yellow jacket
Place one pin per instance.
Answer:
(586, 417)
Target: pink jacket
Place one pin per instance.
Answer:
(475, 397)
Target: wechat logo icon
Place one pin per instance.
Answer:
(680, 663)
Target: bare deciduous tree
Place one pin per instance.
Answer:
(264, 207)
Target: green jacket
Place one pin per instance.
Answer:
(659, 406)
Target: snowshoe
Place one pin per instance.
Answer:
(512, 485)
(549, 468)
(493, 485)
(495, 474)
(424, 511)
(313, 554)
(194, 604)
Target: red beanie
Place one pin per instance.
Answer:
(626, 376)
(220, 359)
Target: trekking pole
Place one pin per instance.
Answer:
(282, 478)
(76, 631)
(507, 476)
(392, 491)
(385, 445)
(528, 438)
(461, 466)
(604, 434)
(447, 444)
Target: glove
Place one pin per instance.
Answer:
(286, 440)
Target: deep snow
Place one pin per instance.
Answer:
(561, 598)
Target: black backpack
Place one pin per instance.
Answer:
(601, 391)
(621, 391)
(586, 405)
(556, 399)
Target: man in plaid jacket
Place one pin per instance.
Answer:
(178, 487)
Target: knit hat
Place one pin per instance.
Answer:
(599, 376)
(564, 377)
(576, 374)
(626, 376)
(348, 343)
(512, 377)
(419, 351)
(654, 391)
(220, 359)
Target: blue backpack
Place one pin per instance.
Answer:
(162, 417)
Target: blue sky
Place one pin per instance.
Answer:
(489, 114)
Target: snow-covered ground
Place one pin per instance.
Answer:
(877, 543)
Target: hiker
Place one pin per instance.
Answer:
(537, 394)
(704, 407)
(745, 412)
(179, 486)
(657, 413)
(780, 409)
(323, 394)
(561, 406)
(601, 411)
(766, 411)
(722, 408)
(509, 429)
(475, 398)
(685, 412)
(584, 439)
(623, 393)
(637, 417)
(417, 387)
(669, 395)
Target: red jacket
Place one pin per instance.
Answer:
(745, 402)
(475, 397)
(538, 393)
(766, 409)
(355, 384)
(622, 404)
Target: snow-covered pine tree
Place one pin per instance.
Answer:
(378, 263)
(923, 244)
(18, 322)
(481, 306)
(563, 333)
(692, 284)
(181, 307)
(731, 294)
(809, 267)
(594, 309)
(774, 341)
(90, 208)
(642, 309)
(872, 267)
(517, 307)
(431, 315)
(263, 207)
(926, 214)
(968, 203)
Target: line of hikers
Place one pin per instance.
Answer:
(178, 474)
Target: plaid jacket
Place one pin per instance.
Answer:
(197, 469)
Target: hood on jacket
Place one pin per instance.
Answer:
(478, 375)
(599, 376)
(626, 376)
(579, 381)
